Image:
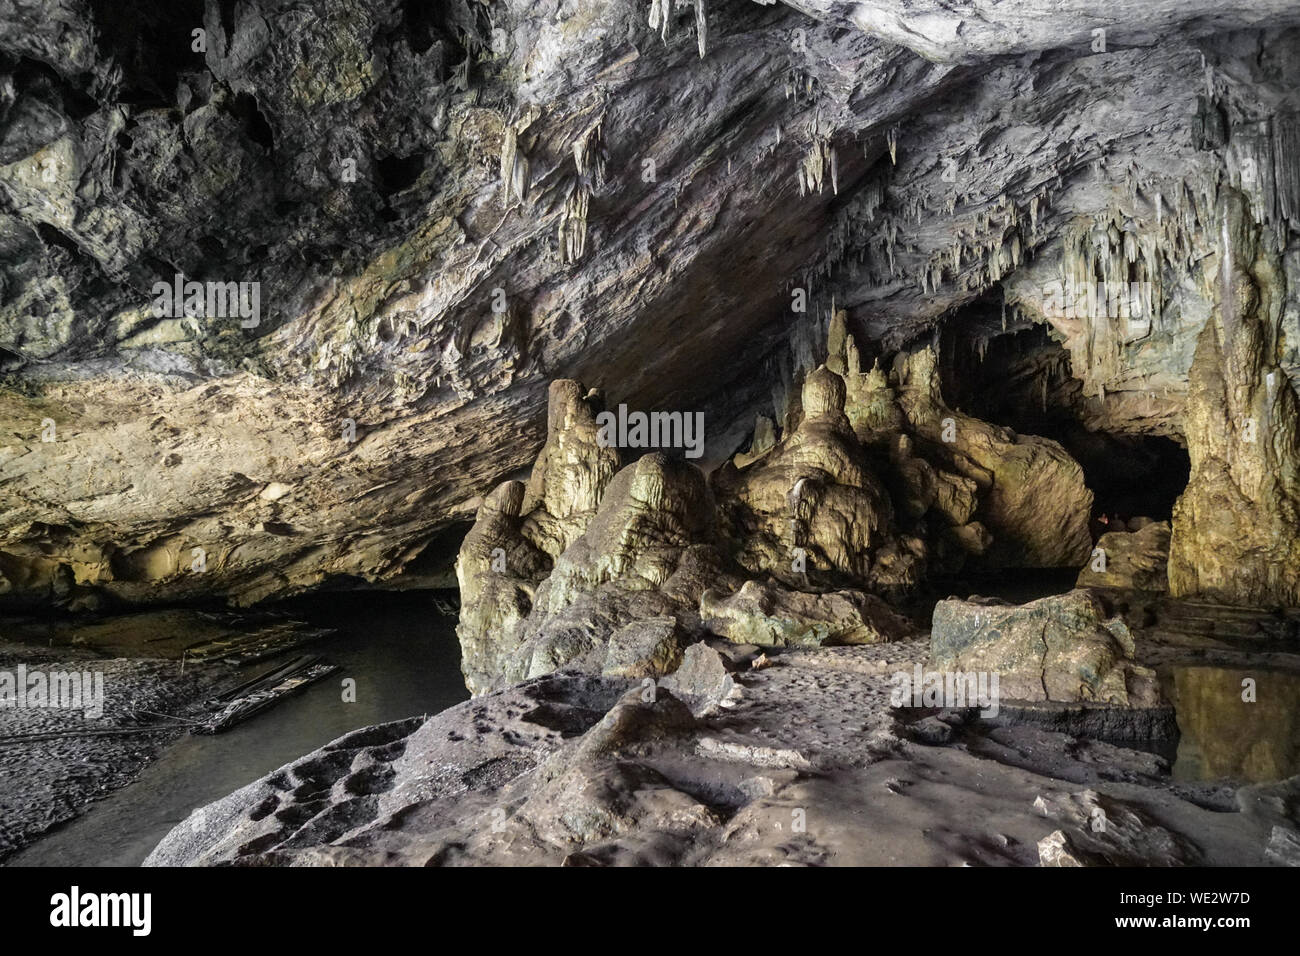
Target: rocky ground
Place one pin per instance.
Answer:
(742, 756)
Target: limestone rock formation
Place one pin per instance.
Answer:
(521, 530)
(585, 566)
(1064, 648)
(647, 553)
(1034, 499)
(1135, 560)
(920, 487)
(769, 615)
(812, 502)
(571, 472)
(1236, 529)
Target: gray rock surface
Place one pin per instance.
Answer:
(900, 158)
(810, 766)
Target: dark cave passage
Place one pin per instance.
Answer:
(153, 44)
(1016, 375)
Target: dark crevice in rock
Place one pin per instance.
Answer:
(153, 45)
(254, 122)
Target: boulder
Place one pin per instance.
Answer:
(769, 615)
(703, 677)
(1064, 648)
(648, 648)
(1136, 560)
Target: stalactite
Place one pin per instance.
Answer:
(514, 168)
(589, 155)
(701, 26)
(572, 233)
(661, 16)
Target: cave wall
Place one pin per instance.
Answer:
(448, 206)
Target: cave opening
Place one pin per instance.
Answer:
(152, 43)
(1014, 372)
(255, 123)
(397, 173)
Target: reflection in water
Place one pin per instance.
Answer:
(1224, 736)
(405, 660)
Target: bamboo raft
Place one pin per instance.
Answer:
(252, 697)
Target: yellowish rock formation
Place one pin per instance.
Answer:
(1130, 559)
(811, 503)
(1033, 498)
(1236, 529)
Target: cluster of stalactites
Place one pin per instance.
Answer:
(589, 154)
(589, 163)
(981, 253)
(1002, 235)
(661, 18)
(572, 232)
(820, 163)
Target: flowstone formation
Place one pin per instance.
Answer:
(1236, 529)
